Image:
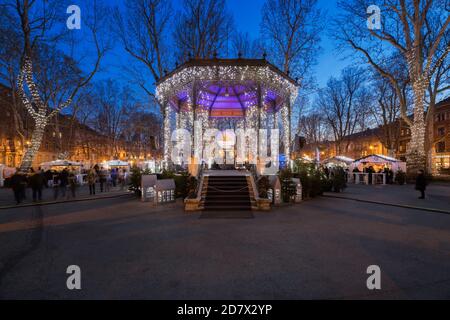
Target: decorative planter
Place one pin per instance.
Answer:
(263, 204)
(191, 205)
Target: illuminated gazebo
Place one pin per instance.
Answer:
(226, 94)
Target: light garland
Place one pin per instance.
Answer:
(263, 75)
(420, 80)
(167, 133)
(186, 80)
(38, 112)
(286, 130)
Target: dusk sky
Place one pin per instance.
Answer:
(247, 18)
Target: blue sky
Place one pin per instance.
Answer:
(247, 16)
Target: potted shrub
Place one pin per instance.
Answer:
(263, 187)
(338, 180)
(400, 177)
(135, 180)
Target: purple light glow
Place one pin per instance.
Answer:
(227, 97)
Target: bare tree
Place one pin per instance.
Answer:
(343, 102)
(202, 28)
(313, 128)
(10, 52)
(291, 29)
(36, 21)
(386, 113)
(242, 45)
(113, 107)
(143, 28)
(414, 30)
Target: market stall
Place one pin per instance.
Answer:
(59, 165)
(338, 161)
(5, 174)
(118, 164)
(372, 169)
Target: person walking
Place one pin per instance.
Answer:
(72, 179)
(17, 184)
(114, 176)
(421, 183)
(102, 178)
(91, 177)
(122, 179)
(55, 184)
(63, 182)
(36, 184)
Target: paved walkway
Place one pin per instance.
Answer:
(127, 249)
(437, 195)
(7, 195)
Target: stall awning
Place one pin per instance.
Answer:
(339, 159)
(116, 163)
(377, 158)
(60, 163)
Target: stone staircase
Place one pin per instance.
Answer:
(227, 193)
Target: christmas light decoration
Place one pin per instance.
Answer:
(36, 109)
(420, 80)
(260, 92)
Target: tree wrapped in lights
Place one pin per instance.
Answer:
(417, 32)
(27, 89)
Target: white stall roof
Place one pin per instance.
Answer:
(344, 159)
(116, 163)
(377, 158)
(61, 163)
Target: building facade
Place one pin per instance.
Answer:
(370, 141)
(65, 138)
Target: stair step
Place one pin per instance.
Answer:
(236, 208)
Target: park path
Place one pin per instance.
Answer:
(7, 196)
(437, 195)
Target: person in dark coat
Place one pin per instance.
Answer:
(48, 177)
(36, 183)
(18, 183)
(421, 183)
(63, 182)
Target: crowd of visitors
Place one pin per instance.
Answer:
(65, 182)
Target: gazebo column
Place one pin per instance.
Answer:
(196, 132)
(286, 123)
(167, 133)
(260, 163)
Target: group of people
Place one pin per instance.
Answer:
(40, 179)
(65, 182)
(106, 178)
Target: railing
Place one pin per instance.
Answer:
(363, 178)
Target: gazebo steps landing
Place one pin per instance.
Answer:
(227, 193)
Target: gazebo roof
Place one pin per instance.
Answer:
(226, 86)
(226, 63)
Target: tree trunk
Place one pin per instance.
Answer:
(391, 152)
(36, 140)
(416, 159)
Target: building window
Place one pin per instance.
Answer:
(440, 147)
(441, 131)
